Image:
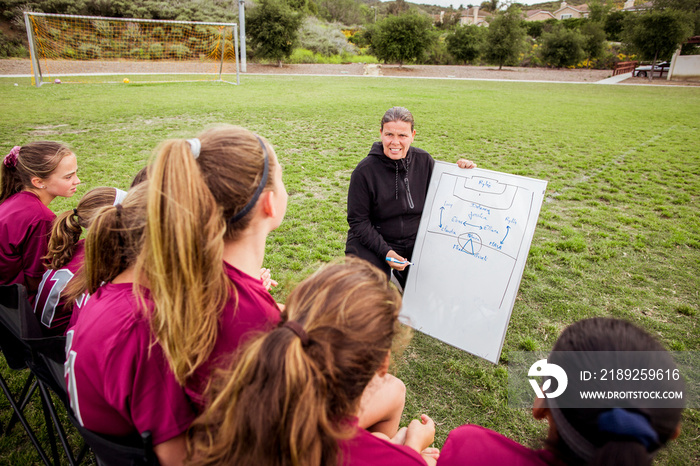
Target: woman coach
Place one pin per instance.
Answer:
(387, 194)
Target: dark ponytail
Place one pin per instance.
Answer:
(65, 234)
(11, 181)
(621, 452)
(628, 435)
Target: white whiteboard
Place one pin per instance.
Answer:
(470, 253)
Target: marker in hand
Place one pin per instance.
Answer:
(396, 261)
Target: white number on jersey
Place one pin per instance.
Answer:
(69, 371)
(60, 279)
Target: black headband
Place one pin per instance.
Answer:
(258, 191)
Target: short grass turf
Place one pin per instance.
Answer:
(618, 234)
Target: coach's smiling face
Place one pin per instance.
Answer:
(397, 137)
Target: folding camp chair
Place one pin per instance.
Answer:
(13, 303)
(25, 346)
(109, 451)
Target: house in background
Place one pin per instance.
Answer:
(472, 16)
(633, 5)
(538, 15)
(567, 11)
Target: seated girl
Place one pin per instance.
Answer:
(65, 257)
(294, 394)
(32, 175)
(628, 435)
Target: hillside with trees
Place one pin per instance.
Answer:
(341, 31)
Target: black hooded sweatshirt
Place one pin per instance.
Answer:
(383, 209)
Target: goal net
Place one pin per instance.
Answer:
(99, 49)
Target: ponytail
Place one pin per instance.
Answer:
(112, 244)
(65, 234)
(104, 255)
(11, 181)
(291, 394)
(68, 226)
(616, 453)
(182, 259)
(286, 422)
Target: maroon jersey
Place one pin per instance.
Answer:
(366, 449)
(472, 444)
(250, 310)
(25, 227)
(119, 382)
(49, 308)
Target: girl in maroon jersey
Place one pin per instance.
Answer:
(294, 394)
(213, 201)
(183, 271)
(32, 176)
(626, 435)
(65, 257)
(119, 382)
(187, 277)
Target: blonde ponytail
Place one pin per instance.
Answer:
(182, 259)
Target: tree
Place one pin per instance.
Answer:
(490, 5)
(593, 39)
(273, 27)
(347, 12)
(562, 47)
(692, 7)
(465, 43)
(323, 38)
(599, 10)
(398, 7)
(450, 20)
(657, 34)
(614, 24)
(505, 38)
(402, 38)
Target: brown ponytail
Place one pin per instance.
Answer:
(68, 226)
(619, 452)
(112, 244)
(289, 403)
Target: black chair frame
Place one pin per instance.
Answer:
(44, 357)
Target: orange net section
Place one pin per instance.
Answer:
(68, 45)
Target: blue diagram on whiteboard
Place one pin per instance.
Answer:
(470, 252)
(479, 217)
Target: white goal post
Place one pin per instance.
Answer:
(101, 49)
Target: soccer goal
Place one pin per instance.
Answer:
(128, 50)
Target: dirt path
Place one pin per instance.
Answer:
(439, 71)
(10, 67)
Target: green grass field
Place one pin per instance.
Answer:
(618, 234)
